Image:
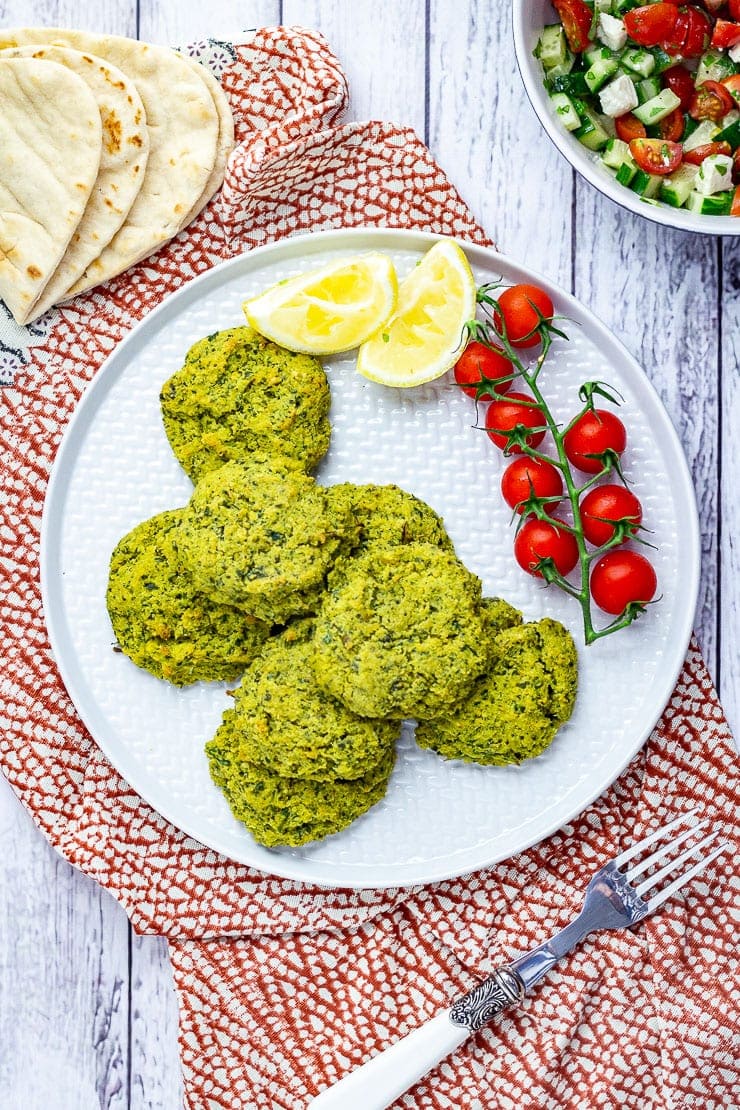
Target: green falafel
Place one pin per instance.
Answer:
(163, 622)
(238, 393)
(290, 811)
(400, 632)
(261, 535)
(515, 709)
(388, 516)
(289, 725)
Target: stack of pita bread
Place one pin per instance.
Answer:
(110, 148)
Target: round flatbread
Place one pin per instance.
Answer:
(51, 139)
(183, 134)
(124, 154)
(225, 143)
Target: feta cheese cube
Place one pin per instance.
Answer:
(618, 97)
(734, 53)
(611, 31)
(715, 175)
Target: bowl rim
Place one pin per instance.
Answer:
(677, 218)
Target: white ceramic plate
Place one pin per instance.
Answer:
(529, 17)
(439, 818)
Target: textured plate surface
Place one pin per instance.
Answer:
(439, 818)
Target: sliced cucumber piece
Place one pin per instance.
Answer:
(704, 133)
(619, 7)
(572, 84)
(637, 60)
(646, 184)
(561, 70)
(615, 153)
(647, 89)
(601, 69)
(676, 188)
(591, 132)
(552, 46)
(714, 65)
(663, 61)
(658, 107)
(729, 134)
(626, 172)
(718, 204)
(565, 111)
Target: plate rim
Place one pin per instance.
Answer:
(287, 866)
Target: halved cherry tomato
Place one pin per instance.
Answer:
(524, 477)
(656, 155)
(576, 18)
(650, 24)
(735, 209)
(519, 306)
(725, 34)
(732, 84)
(675, 43)
(620, 578)
(734, 9)
(681, 82)
(711, 101)
(628, 127)
(594, 433)
(699, 32)
(671, 126)
(603, 507)
(481, 363)
(696, 156)
(538, 540)
(505, 414)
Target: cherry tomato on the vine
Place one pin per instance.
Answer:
(518, 306)
(604, 504)
(481, 363)
(592, 434)
(621, 577)
(543, 539)
(505, 414)
(524, 477)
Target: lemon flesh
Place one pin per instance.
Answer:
(424, 337)
(329, 310)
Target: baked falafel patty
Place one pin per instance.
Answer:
(261, 535)
(514, 711)
(289, 725)
(238, 393)
(388, 516)
(400, 632)
(163, 622)
(281, 811)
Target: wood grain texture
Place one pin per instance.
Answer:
(88, 1016)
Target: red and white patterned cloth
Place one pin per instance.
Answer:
(284, 987)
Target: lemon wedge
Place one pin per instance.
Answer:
(329, 310)
(423, 338)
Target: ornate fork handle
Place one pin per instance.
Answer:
(491, 997)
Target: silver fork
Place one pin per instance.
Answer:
(614, 900)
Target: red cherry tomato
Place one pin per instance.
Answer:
(725, 34)
(628, 127)
(671, 126)
(675, 42)
(732, 84)
(734, 9)
(576, 18)
(481, 363)
(541, 539)
(711, 100)
(699, 33)
(504, 415)
(656, 155)
(524, 477)
(650, 24)
(681, 82)
(604, 504)
(517, 307)
(591, 435)
(622, 577)
(696, 156)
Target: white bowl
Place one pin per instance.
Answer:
(529, 17)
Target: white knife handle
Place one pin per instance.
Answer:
(381, 1080)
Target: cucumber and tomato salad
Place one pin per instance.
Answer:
(653, 89)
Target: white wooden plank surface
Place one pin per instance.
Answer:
(87, 1012)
